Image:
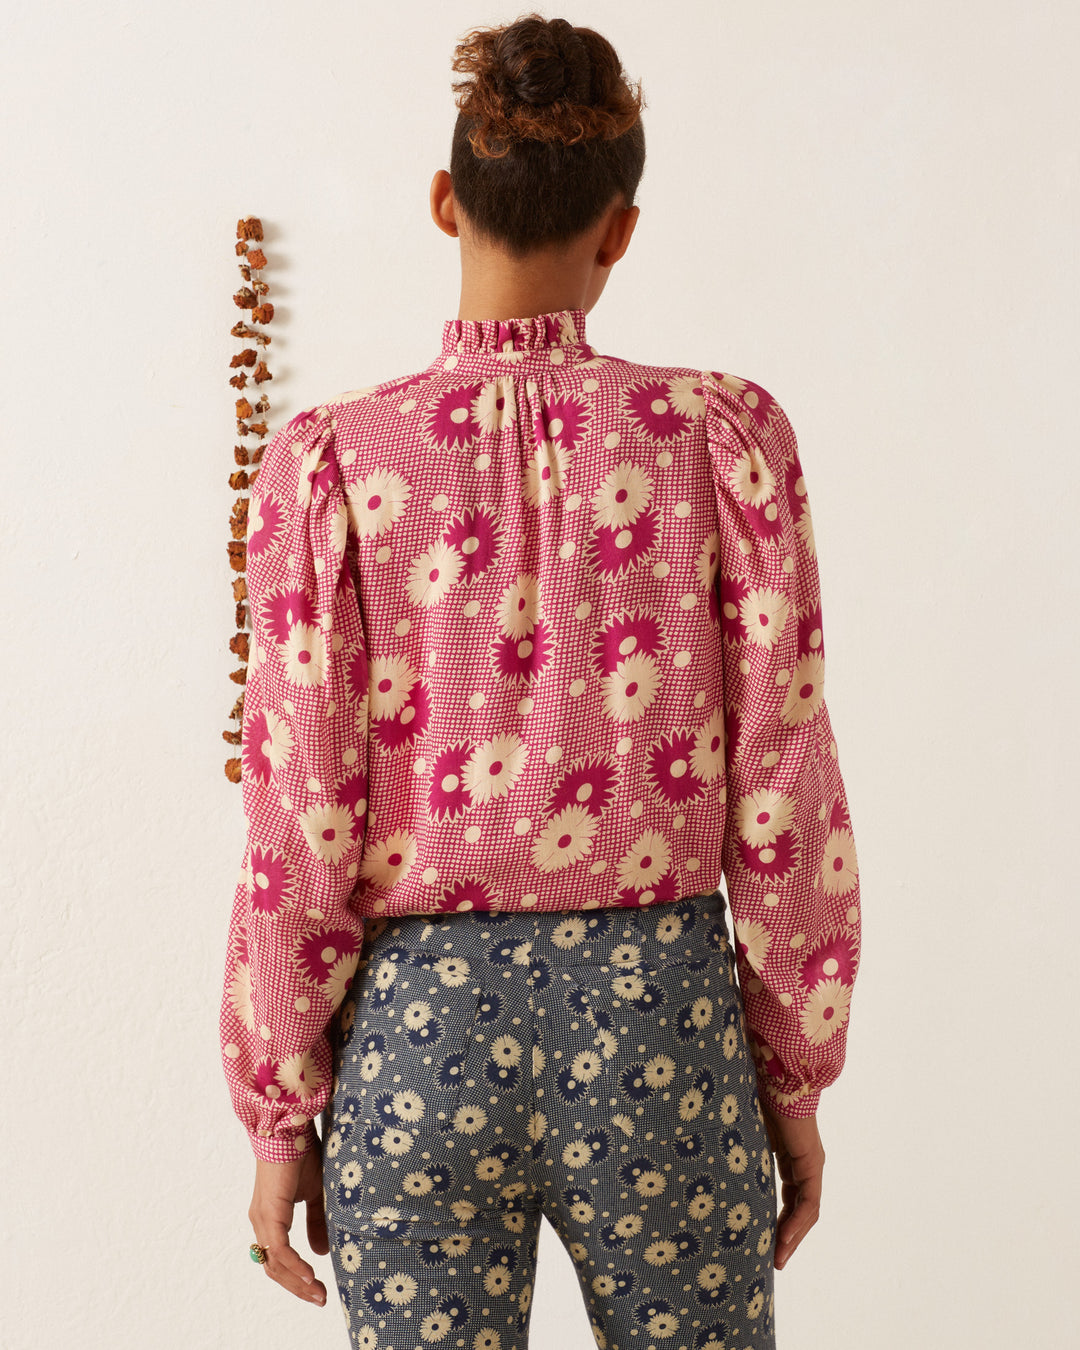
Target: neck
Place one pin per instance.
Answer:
(496, 286)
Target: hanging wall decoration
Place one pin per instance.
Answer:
(247, 454)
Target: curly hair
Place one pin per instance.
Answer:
(548, 132)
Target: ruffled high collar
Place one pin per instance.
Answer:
(558, 336)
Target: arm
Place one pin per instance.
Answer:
(788, 852)
(293, 941)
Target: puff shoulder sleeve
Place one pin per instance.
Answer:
(788, 850)
(293, 941)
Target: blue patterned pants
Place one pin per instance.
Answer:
(591, 1067)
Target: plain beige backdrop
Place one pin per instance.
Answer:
(870, 209)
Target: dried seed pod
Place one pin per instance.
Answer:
(255, 472)
(260, 287)
(250, 228)
(261, 313)
(239, 676)
(256, 455)
(261, 373)
(245, 299)
(241, 248)
(239, 381)
(245, 271)
(238, 645)
(257, 258)
(232, 770)
(239, 589)
(233, 737)
(255, 429)
(238, 480)
(241, 616)
(237, 714)
(240, 454)
(243, 408)
(237, 555)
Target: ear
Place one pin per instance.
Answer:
(443, 208)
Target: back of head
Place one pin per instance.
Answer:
(548, 132)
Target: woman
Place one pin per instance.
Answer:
(538, 654)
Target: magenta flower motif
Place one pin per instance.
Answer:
(256, 765)
(448, 797)
(353, 792)
(809, 624)
(589, 783)
(563, 419)
(321, 948)
(274, 885)
(770, 530)
(732, 594)
(264, 526)
(619, 549)
(469, 893)
(523, 658)
(410, 723)
(627, 634)
(356, 673)
(832, 959)
(648, 406)
(475, 537)
(302, 419)
(758, 402)
(285, 608)
(773, 863)
(451, 425)
(325, 475)
(663, 890)
(266, 1076)
(669, 768)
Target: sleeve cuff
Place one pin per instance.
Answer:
(797, 1106)
(284, 1148)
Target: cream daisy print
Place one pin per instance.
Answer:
(545, 473)
(494, 767)
(622, 496)
(839, 865)
(764, 614)
(752, 480)
(763, 816)
(377, 501)
(328, 829)
(805, 690)
(390, 678)
(631, 688)
(565, 839)
(303, 655)
(432, 574)
(753, 939)
(707, 758)
(519, 606)
(825, 1010)
(387, 861)
(496, 405)
(646, 862)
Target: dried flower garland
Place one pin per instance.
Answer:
(249, 297)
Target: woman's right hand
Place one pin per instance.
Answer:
(800, 1160)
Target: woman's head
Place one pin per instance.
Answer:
(548, 134)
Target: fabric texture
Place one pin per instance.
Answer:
(534, 628)
(492, 1070)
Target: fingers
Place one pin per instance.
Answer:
(285, 1264)
(800, 1170)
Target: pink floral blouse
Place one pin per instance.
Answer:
(534, 628)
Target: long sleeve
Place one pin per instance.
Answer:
(293, 941)
(788, 849)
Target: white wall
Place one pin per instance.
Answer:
(869, 208)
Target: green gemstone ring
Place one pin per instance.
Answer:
(257, 1253)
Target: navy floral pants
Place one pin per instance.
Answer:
(592, 1067)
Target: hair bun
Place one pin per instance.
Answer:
(551, 62)
(545, 80)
